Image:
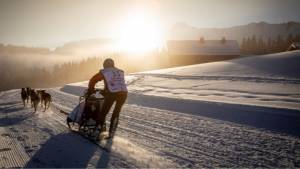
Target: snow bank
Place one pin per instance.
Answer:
(285, 64)
(268, 80)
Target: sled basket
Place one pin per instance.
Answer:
(87, 111)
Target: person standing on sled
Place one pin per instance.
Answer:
(115, 90)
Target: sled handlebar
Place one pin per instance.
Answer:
(99, 90)
(86, 94)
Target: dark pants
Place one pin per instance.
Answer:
(109, 100)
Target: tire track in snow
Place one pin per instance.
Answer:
(14, 155)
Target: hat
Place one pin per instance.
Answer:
(108, 63)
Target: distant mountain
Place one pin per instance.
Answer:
(183, 31)
(86, 47)
(14, 49)
(89, 47)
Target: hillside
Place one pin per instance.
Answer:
(89, 47)
(267, 80)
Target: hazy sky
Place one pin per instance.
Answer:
(52, 22)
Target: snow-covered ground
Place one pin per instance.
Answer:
(269, 80)
(237, 113)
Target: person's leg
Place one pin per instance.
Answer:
(120, 100)
(108, 102)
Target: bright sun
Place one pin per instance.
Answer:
(140, 33)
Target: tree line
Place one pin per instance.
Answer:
(16, 75)
(259, 46)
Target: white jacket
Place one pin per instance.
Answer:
(114, 79)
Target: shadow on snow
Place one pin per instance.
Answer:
(273, 119)
(67, 150)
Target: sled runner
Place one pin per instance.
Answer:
(83, 118)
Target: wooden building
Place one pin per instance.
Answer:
(294, 46)
(201, 51)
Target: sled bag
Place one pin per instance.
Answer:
(76, 114)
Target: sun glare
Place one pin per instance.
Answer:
(140, 33)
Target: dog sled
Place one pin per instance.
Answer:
(83, 118)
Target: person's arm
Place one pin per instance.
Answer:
(96, 78)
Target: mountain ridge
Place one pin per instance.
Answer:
(184, 31)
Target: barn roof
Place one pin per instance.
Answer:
(208, 47)
(296, 44)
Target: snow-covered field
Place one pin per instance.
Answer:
(269, 80)
(237, 113)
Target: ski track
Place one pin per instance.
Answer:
(195, 141)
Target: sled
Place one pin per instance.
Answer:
(83, 118)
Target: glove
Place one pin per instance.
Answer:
(90, 91)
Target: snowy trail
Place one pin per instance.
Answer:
(274, 119)
(42, 139)
(147, 137)
(192, 140)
